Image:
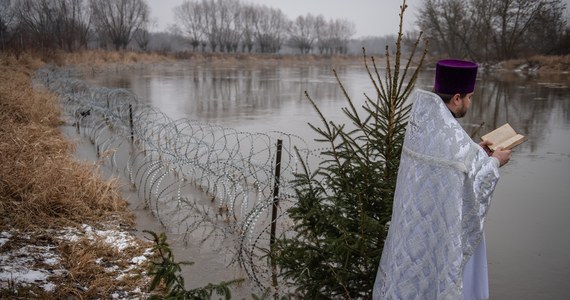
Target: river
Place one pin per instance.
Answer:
(526, 240)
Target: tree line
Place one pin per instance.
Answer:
(206, 25)
(70, 25)
(495, 30)
(482, 30)
(231, 26)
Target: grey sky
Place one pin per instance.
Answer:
(371, 17)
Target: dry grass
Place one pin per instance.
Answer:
(43, 188)
(94, 267)
(100, 57)
(541, 63)
(266, 59)
(98, 60)
(41, 184)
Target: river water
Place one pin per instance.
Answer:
(528, 247)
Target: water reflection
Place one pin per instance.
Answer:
(526, 247)
(529, 105)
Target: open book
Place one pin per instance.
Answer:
(504, 136)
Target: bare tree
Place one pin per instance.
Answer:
(225, 25)
(303, 33)
(190, 16)
(35, 20)
(117, 20)
(229, 34)
(341, 31)
(142, 38)
(6, 21)
(271, 27)
(564, 45)
(211, 24)
(491, 30)
(333, 36)
(62, 24)
(514, 18)
(438, 19)
(249, 15)
(480, 46)
(71, 24)
(546, 31)
(323, 32)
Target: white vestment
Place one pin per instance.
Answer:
(445, 183)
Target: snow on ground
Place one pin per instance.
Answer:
(26, 261)
(24, 264)
(113, 237)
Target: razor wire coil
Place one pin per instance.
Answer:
(169, 162)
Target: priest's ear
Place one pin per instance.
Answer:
(456, 99)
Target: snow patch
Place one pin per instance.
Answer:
(4, 237)
(118, 239)
(19, 266)
(28, 262)
(139, 260)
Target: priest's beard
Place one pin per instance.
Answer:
(461, 113)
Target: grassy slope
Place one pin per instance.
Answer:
(44, 192)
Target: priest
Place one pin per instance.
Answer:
(435, 248)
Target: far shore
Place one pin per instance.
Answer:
(96, 59)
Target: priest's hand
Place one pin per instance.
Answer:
(485, 145)
(503, 155)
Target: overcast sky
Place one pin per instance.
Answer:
(371, 17)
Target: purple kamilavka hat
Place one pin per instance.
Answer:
(454, 76)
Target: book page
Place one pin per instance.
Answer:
(499, 135)
(504, 136)
(510, 143)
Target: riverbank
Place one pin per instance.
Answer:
(97, 60)
(538, 65)
(64, 232)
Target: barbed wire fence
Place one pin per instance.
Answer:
(208, 181)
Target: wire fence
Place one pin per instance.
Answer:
(202, 179)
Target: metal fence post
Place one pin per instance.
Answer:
(131, 122)
(274, 213)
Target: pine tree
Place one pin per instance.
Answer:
(344, 206)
